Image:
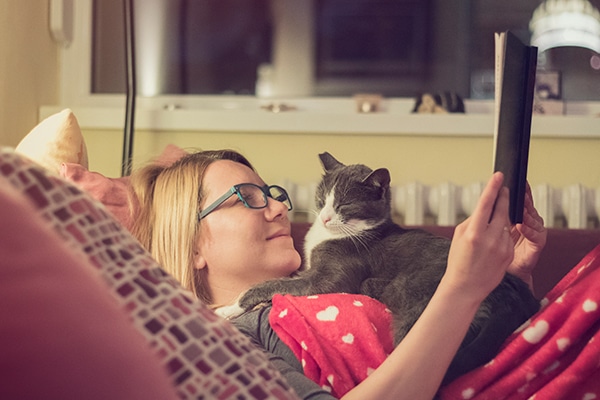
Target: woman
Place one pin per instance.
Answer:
(219, 244)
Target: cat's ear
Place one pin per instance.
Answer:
(329, 162)
(380, 177)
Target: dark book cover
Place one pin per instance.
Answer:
(515, 83)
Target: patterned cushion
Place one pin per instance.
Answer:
(115, 193)
(62, 335)
(204, 354)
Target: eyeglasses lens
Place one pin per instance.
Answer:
(256, 197)
(253, 196)
(281, 195)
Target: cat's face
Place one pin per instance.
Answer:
(352, 198)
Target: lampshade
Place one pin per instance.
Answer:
(558, 23)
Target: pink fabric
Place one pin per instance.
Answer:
(62, 335)
(170, 154)
(556, 356)
(339, 338)
(115, 193)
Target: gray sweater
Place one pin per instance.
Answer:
(255, 325)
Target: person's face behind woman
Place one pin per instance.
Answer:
(240, 246)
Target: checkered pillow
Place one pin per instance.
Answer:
(204, 354)
(62, 334)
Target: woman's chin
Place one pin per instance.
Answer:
(292, 261)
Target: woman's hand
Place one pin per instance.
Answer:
(482, 247)
(529, 240)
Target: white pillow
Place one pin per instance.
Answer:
(55, 140)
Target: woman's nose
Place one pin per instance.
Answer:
(275, 208)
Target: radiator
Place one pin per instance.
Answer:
(574, 206)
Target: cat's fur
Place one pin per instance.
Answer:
(355, 247)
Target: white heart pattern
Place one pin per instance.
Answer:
(349, 338)
(328, 314)
(563, 343)
(535, 333)
(468, 393)
(590, 306)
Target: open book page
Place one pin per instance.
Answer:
(498, 66)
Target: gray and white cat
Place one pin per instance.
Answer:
(355, 247)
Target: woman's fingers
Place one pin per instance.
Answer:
(482, 247)
(492, 208)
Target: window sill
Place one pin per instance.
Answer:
(334, 116)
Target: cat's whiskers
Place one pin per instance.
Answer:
(359, 237)
(360, 243)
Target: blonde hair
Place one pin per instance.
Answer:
(169, 199)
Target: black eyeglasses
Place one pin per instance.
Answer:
(253, 196)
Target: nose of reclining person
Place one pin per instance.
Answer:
(277, 206)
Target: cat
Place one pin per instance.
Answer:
(354, 246)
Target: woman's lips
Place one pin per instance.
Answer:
(279, 234)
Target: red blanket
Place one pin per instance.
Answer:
(556, 355)
(338, 338)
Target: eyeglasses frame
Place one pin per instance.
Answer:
(235, 190)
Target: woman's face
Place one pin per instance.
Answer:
(240, 246)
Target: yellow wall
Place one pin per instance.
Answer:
(428, 159)
(28, 67)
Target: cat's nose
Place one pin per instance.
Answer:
(325, 220)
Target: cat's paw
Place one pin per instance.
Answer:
(253, 297)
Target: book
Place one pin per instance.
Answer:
(515, 69)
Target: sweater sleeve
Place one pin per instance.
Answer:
(255, 325)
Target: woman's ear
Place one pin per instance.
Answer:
(199, 261)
